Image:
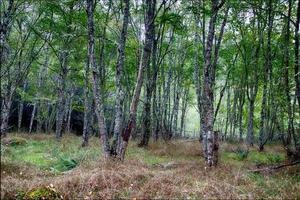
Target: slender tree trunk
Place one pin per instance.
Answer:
(183, 111)
(208, 95)
(233, 115)
(96, 90)
(149, 25)
(241, 108)
(70, 114)
(119, 73)
(61, 95)
(250, 132)
(150, 87)
(197, 74)
(286, 75)
(266, 78)
(228, 113)
(32, 116)
(252, 88)
(297, 62)
(87, 108)
(87, 104)
(21, 107)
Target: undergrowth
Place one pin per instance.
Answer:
(176, 169)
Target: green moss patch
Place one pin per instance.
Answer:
(43, 192)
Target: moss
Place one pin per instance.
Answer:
(43, 192)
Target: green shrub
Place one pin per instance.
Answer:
(274, 158)
(64, 163)
(241, 154)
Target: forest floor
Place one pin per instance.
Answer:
(37, 165)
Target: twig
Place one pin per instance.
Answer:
(276, 167)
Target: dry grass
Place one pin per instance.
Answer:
(173, 170)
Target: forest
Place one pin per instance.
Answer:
(150, 99)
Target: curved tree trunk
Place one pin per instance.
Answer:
(149, 25)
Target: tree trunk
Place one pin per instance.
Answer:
(184, 104)
(70, 114)
(87, 108)
(250, 132)
(20, 109)
(241, 108)
(197, 74)
(96, 90)
(61, 100)
(233, 115)
(252, 88)
(297, 62)
(208, 95)
(32, 116)
(6, 105)
(149, 25)
(286, 75)
(119, 73)
(266, 78)
(228, 112)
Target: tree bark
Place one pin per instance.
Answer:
(119, 73)
(184, 104)
(61, 100)
(241, 108)
(297, 62)
(266, 78)
(32, 116)
(228, 113)
(208, 94)
(286, 75)
(149, 25)
(20, 108)
(96, 90)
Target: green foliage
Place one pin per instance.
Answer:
(172, 19)
(64, 163)
(50, 155)
(275, 158)
(242, 153)
(265, 158)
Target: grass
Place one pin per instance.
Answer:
(176, 169)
